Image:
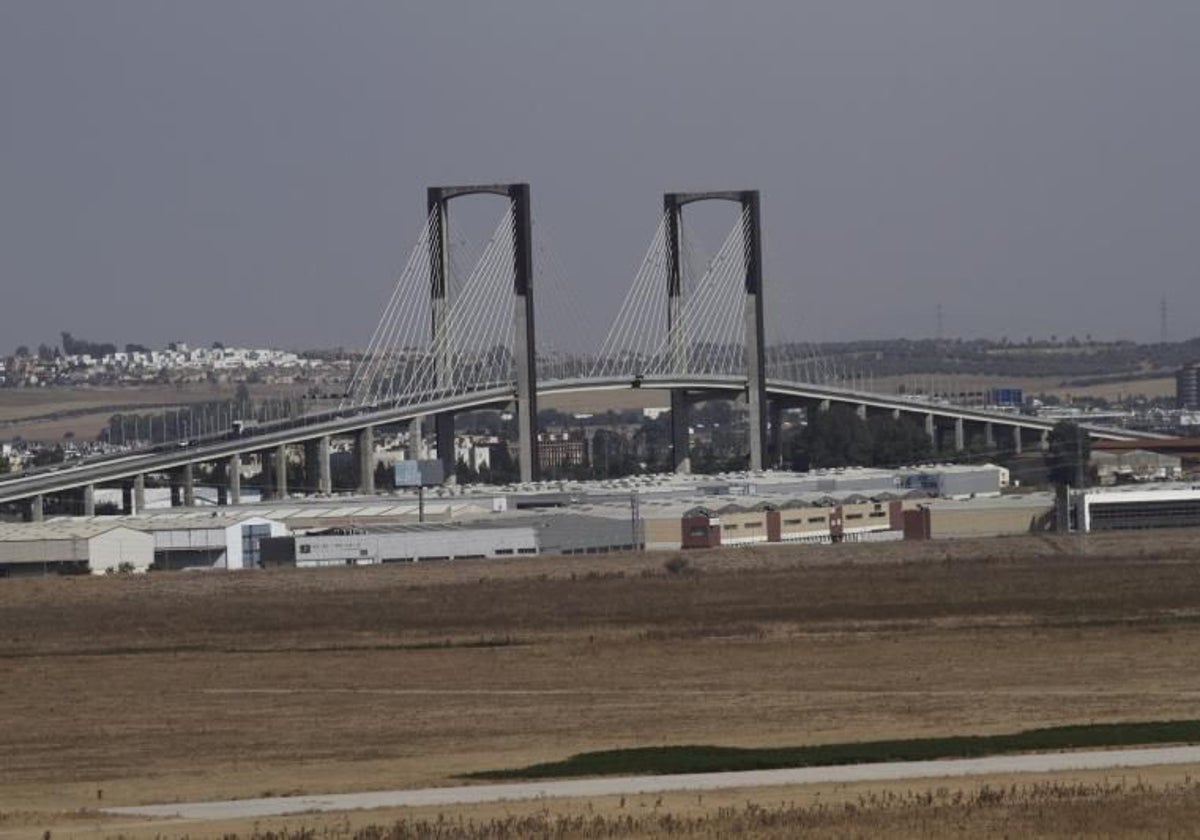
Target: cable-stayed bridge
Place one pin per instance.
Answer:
(452, 339)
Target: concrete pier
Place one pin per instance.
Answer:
(364, 447)
(279, 470)
(324, 476)
(233, 475)
(189, 485)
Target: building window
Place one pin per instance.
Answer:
(306, 549)
(251, 547)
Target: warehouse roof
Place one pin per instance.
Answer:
(177, 519)
(57, 529)
(422, 527)
(1039, 499)
(521, 520)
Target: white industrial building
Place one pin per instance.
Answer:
(183, 539)
(357, 546)
(560, 533)
(66, 546)
(207, 540)
(1138, 508)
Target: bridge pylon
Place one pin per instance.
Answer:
(524, 351)
(752, 314)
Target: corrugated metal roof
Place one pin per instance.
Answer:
(525, 520)
(183, 520)
(285, 512)
(56, 529)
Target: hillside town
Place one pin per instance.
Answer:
(137, 365)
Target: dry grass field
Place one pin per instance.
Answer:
(1153, 804)
(1032, 385)
(125, 690)
(30, 413)
(1157, 802)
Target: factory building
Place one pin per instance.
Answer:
(101, 544)
(1134, 466)
(209, 541)
(969, 483)
(399, 544)
(550, 534)
(824, 520)
(561, 518)
(1128, 509)
(72, 547)
(968, 519)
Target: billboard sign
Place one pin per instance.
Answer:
(423, 473)
(1006, 396)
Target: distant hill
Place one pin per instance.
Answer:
(1086, 362)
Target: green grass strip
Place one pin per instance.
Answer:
(710, 759)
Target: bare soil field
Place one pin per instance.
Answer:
(168, 687)
(599, 402)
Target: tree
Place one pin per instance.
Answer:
(1068, 454)
(46, 457)
(464, 473)
(22, 351)
(503, 467)
(898, 442)
(837, 437)
(242, 401)
(79, 347)
(385, 477)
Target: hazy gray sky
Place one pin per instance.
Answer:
(254, 172)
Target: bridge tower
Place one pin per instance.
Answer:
(438, 200)
(752, 313)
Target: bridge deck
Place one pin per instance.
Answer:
(166, 458)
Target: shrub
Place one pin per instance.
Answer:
(678, 565)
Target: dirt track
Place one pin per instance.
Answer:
(635, 785)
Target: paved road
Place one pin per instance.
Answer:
(632, 785)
